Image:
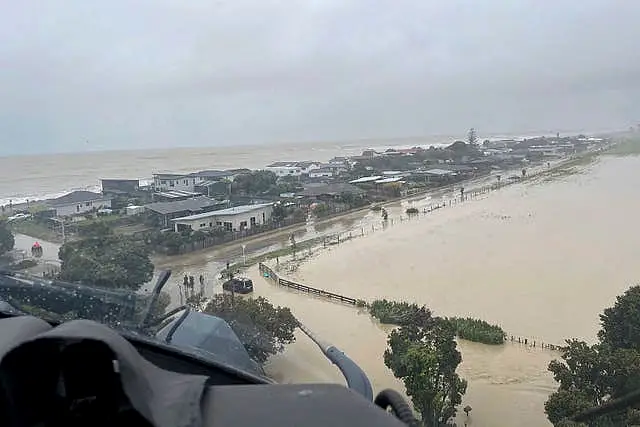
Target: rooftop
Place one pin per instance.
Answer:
(211, 174)
(176, 194)
(365, 179)
(389, 180)
(439, 172)
(224, 212)
(170, 175)
(311, 190)
(194, 204)
(75, 197)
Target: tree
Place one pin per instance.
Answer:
(255, 182)
(589, 376)
(262, 328)
(621, 323)
(96, 229)
(472, 137)
(110, 262)
(426, 359)
(7, 240)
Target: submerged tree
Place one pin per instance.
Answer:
(426, 359)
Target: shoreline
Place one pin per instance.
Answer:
(231, 251)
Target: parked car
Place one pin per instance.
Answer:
(239, 285)
(18, 217)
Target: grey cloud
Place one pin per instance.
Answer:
(151, 73)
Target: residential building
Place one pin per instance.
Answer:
(171, 181)
(330, 190)
(213, 175)
(78, 203)
(282, 169)
(164, 212)
(322, 173)
(119, 187)
(174, 195)
(238, 218)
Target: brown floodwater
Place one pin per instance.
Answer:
(541, 259)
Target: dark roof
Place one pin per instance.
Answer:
(75, 197)
(212, 174)
(170, 175)
(311, 190)
(456, 168)
(238, 171)
(189, 205)
(280, 164)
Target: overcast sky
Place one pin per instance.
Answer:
(116, 74)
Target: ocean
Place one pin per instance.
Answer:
(40, 177)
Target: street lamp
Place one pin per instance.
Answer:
(244, 256)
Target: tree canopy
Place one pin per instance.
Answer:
(423, 354)
(263, 329)
(254, 182)
(7, 241)
(108, 261)
(590, 375)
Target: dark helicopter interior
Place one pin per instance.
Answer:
(84, 373)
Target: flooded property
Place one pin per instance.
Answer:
(540, 259)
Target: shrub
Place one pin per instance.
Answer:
(478, 330)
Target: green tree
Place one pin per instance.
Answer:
(263, 329)
(255, 182)
(110, 262)
(7, 242)
(96, 229)
(590, 375)
(621, 323)
(426, 359)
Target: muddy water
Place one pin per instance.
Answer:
(542, 260)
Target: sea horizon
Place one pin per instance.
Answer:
(445, 137)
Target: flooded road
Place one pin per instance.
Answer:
(542, 260)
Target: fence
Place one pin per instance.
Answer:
(211, 241)
(270, 274)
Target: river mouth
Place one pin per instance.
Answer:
(542, 260)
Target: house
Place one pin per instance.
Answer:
(164, 212)
(119, 187)
(238, 218)
(213, 175)
(322, 173)
(172, 181)
(173, 195)
(297, 169)
(328, 191)
(78, 203)
(284, 170)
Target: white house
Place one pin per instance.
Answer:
(322, 173)
(232, 219)
(282, 171)
(296, 169)
(171, 181)
(78, 203)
